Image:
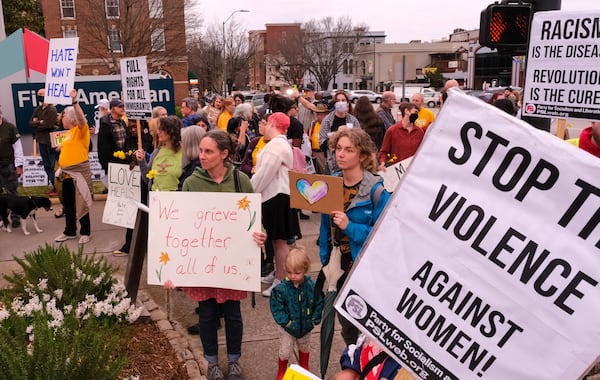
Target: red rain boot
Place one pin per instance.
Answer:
(303, 359)
(282, 367)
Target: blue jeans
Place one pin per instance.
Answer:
(49, 159)
(208, 313)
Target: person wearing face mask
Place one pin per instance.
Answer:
(402, 139)
(339, 119)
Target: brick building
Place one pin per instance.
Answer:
(111, 29)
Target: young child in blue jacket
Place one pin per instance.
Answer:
(296, 309)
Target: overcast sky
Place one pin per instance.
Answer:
(401, 20)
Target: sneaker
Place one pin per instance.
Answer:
(119, 253)
(235, 371)
(268, 279)
(214, 372)
(62, 237)
(84, 239)
(267, 292)
(52, 193)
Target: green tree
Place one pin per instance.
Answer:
(23, 14)
(435, 77)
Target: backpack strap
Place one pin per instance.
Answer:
(377, 359)
(236, 180)
(376, 194)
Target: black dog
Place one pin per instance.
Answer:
(22, 207)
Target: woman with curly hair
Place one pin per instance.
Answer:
(164, 167)
(369, 120)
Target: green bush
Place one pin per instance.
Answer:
(62, 318)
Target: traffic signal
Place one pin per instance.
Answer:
(505, 26)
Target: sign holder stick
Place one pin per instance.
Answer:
(139, 134)
(560, 128)
(135, 263)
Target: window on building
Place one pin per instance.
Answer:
(70, 33)
(363, 68)
(345, 66)
(112, 8)
(114, 40)
(158, 39)
(156, 8)
(351, 67)
(67, 8)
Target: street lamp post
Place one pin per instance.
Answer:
(225, 50)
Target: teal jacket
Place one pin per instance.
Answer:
(297, 310)
(363, 212)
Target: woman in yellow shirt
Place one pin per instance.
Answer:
(226, 114)
(74, 170)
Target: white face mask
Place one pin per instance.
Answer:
(341, 106)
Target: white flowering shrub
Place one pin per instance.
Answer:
(61, 318)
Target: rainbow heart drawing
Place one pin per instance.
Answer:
(312, 192)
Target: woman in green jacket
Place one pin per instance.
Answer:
(217, 174)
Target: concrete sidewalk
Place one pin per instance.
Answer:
(260, 341)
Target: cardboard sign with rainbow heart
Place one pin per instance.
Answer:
(312, 192)
(316, 192)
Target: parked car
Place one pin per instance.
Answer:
(431, 99)
(257, 98)
(373, 96)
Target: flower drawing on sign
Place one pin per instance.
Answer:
(164, 259)
(151, 174)
(244, 204)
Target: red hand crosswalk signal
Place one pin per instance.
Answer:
(505, 26)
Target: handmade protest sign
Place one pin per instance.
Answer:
(60, 72)
(57, 137)
(485, 263)
(33, 172)
(392, 174)
(123, 188)
(204, 239)
(136, 88)
(563, 76)
(315, 192)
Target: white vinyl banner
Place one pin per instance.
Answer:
(204, 239)
(563, 75)
(485, 263)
